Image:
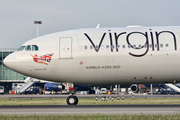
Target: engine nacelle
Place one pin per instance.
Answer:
(134, 88)
(54, 87)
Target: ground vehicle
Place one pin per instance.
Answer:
(1, 89)
(103, 90)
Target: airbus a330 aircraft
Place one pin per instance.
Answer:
(102, 56)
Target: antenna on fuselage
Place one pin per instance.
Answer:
(98, 25)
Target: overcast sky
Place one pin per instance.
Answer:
(17, 16)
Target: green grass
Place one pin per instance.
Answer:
(87, 101)
(31, 101)
(90, 117)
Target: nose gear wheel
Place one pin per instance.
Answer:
(72, 100)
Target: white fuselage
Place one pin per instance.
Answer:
(103, 56)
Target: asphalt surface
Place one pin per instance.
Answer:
(90, 109)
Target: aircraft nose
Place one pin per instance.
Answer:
(10, 61)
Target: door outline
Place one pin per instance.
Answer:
(63, 50)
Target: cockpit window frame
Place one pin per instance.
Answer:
(22, 48)
(36, 48)
(28, 49)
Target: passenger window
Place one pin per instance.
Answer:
(167, 45)
(129, 46)
(107, 46)
(28, 48)
(150, 46)
(112, 46)
(161, 45)
(21, 48)
(91, 47)
(156, 45)
(97, 47)
(34, 48)
(134, 46)
(145, 46)
(118, 46)
(123, 46)
(85, 47)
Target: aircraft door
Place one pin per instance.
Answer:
(65, 48)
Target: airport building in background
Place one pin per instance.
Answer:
(8, 76)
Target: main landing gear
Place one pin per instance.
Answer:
(72, 100)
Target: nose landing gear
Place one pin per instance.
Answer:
(72, 100)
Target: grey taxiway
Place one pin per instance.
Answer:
(90, 109)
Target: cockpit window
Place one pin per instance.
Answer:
(34, 48)
(28, 48)
(21, 48)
